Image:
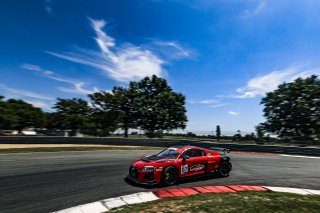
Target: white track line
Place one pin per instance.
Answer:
(293, 190)
(300, 156)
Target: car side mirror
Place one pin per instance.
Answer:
(185, 157)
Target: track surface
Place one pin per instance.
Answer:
(44, 182)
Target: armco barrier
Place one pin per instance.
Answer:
(161, 143)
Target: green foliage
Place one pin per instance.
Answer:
(218, 132)
(115, 109)
(259, 131)
(73, 114)
(191, 134)
(293, 109)
(17, 114)
(158, 107)
(149, 104)
(156, 134)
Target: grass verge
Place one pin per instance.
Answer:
(231, 202)
(60, 149)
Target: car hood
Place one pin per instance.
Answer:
(151, 160)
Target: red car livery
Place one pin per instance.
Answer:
(173, 163)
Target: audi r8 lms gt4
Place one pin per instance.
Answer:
(173, 163)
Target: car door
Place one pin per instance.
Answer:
(193, 162)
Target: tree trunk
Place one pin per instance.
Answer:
(126, 132)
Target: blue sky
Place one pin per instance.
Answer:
(222, 55)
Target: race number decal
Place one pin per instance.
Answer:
(184, 169)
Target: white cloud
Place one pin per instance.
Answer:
(209, 101)
(39, 104)
(205, 101)
(36, 99)
(213, 103)
(233, 113)
(23, 93)
(260, 85)
(218, 105)
(31, 67)
(174, 49)
(78, 89)
(261, 5)
(48, 7)
(121, 63)
(77, 86)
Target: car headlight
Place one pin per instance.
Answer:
(148, 169)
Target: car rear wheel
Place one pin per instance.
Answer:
(224, 169)
(170, 176)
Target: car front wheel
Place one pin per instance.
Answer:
(170, 176)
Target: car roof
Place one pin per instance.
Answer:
(182, 148)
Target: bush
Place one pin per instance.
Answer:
(156, 134)
(190, 134)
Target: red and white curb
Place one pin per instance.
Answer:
(141, 197)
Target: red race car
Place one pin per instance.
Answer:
(173, 163)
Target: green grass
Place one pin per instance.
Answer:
(60, 149)
(231, 202)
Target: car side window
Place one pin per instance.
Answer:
(193, 153)
(198, 153)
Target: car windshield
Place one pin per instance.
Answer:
(168, 153)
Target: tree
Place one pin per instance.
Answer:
(218, 132)
(17, 114)
(149, 104)
(293, 109)
(259, 131)
(116, 109)
(2, 112)
(71, 114)
(158, 107)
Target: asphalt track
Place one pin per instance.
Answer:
(44, 182)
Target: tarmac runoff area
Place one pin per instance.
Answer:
(48, 182)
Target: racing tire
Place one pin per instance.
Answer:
(224, 169)
(169, 176)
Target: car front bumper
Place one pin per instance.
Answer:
(141, 177)
(142, 182)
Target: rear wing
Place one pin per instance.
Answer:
(224, 150)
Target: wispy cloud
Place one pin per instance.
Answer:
(36, 99)
(209, 101)
(233, 113)
(48, 7)
(218, 105)
(260, 6)
(39, 104)
(213, 103)
(13, 92)
(77, 86)
(260, 85)
(205, 101)
(78, 89)
(121, 63)
(172, 50)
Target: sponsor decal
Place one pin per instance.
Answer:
(184, 169)
(197, 167)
